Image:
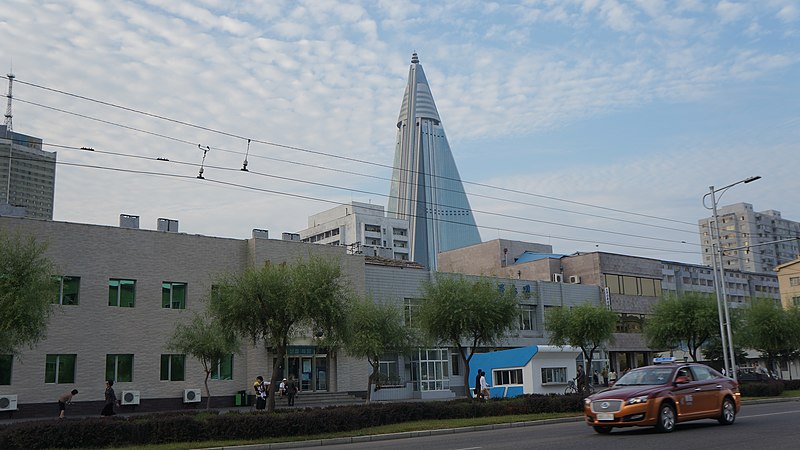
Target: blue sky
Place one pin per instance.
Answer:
(627, 110)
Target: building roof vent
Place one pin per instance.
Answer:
(128, 221)
(260, 234)
(170, 225)
(290, 237)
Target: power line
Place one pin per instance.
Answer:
(361, 191)
(224, 133)
(357, 173)
(307, 197)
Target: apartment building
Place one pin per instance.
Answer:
(751, 241)
(27, 176)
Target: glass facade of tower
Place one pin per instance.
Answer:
(426, 188)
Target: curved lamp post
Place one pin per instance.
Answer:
(719, 279)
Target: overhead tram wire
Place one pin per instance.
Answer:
(336, 202)
(326, 185)
(349, 172)
(233, 135)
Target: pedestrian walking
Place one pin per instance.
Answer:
(64, 400)
(110, 398)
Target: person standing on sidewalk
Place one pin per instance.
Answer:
(291, 390)
(64, 400)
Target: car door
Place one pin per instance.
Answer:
(685, 394)
(709, 390)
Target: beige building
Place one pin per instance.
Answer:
(789, 282)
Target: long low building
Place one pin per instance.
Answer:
(124, 289)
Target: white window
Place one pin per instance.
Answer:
(554, 375)
(507, 376)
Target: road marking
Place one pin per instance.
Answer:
(469, 448)
(770, 414)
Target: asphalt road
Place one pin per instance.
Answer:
(759, 426)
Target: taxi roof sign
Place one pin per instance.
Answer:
(664, 360)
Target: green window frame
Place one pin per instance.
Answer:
(223, 369)
(173, 295)
(6, 364)
(173, 367)
(60, 369)
(121, 292)
(68, 289)
(119, 368)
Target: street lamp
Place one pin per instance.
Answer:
(726, 336)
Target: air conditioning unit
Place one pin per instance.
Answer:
(558, 277)
(130, 398)
(8, 402)
(574, 279)
(191, 395)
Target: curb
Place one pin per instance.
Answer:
(437, 432)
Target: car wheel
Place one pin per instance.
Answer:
(602, 430)
(728, 415)
(666, 418)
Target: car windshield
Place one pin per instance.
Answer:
(646, 376)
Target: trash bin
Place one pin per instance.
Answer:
(241, 399)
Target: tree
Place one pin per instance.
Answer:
(206, 339)
(769, 329)
(455, 310)
(276, 302)
(375, 330)
(27, 291)
(584, 326)
(689, 320)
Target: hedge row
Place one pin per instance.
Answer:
(204, 426)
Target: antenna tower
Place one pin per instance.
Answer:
(8, 105)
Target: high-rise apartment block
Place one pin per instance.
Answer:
(27, 176)
(750, 241)
(426, 188)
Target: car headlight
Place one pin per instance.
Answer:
(635, 400)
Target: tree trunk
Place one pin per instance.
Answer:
(208, 393)
(371, 379)
(466, 360)
(280, 352)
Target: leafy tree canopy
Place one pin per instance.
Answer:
(206, 339)
(276, 302)
(27, 291)
(377, 329)
(686, 321)
(467, 314)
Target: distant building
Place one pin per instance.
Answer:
(361, 227)
(27, 176)
(426, 188)
(748, 238)
(789, 281)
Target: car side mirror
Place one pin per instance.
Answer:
(681, 380)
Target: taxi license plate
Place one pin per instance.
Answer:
(605, 416)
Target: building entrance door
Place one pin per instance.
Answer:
(310, 371)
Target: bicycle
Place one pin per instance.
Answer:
(572, 388)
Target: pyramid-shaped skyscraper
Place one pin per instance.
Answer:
(426, 187)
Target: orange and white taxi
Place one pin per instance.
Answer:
(663, 395)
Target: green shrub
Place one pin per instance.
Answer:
(770, 388)
(165, 428)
